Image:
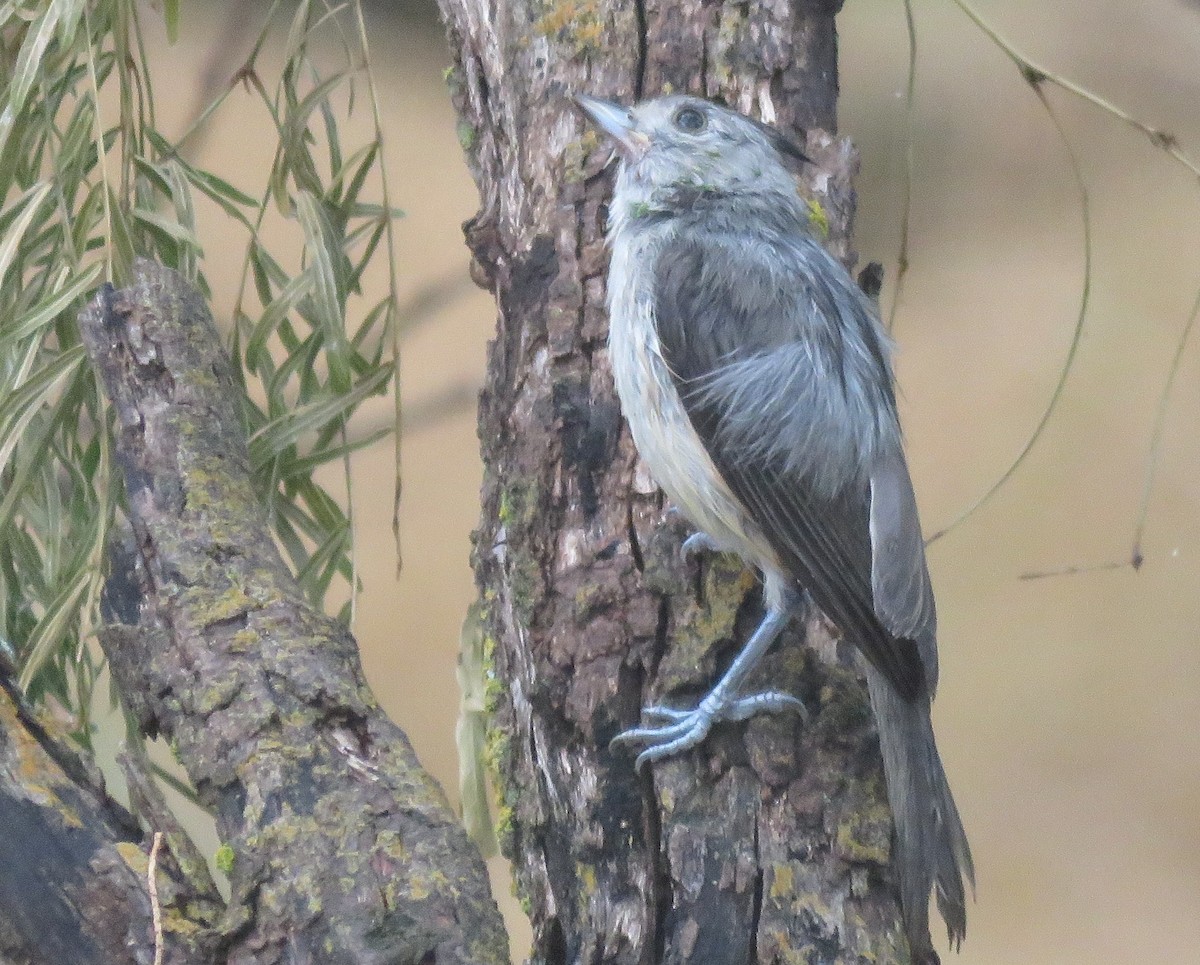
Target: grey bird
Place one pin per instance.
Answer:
(757, 383)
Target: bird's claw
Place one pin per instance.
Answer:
(681, 730)
(768, 702)
(660, 714)
(697, 543)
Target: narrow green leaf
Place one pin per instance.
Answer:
(289, 428)
(46, 638)
(351, 175)
(275, 312)
(19, 406)
(28, 67)
(335, 544)
(122, 250)
(171, 11)
(13, 236)
(45, 311)
(327, 299)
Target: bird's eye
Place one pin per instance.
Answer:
(689, 119)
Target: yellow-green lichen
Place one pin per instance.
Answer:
(223, 859)
(518, 504)
(38, 776)
(517, 513)
(781, 949)
(180, 921)
(134, 856)
(244, 641)
(493, 683)
(574, 22)
(844, 706)
(817, 218)
(496, 749)
(524, 579)
(590, 598)
(506, 832)
(728, 35)
(586, 874)
(865, 835)
(783, 882)
(467, 135)
(575, 155)
(727, 581)
(666, 800)
(233, 603)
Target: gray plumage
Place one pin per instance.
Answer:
(758, 387)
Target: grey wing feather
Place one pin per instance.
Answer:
(899, 575)
(794, 415)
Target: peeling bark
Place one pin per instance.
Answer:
(770, 842)
(344, 849)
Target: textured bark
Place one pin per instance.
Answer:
(769, 843)
(344, 849)
(73, 885)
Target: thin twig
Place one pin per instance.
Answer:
(1035, 74)
(101, 153)
(394, 320)
(1072, 351)
(1160, 418)
(1073, 570)
(909, 165)
(152, 885)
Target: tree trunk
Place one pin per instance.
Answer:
(770, 842)
(343, 850)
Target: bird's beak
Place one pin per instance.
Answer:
(617, 123)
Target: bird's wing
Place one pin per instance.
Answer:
(778, 402)
(899, 576)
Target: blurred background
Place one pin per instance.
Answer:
(1069, 712)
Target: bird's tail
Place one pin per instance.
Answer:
(931, 845)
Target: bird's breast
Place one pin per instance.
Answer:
(658, 422)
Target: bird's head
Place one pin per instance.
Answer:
(679, 151)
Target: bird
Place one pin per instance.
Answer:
(757, 383)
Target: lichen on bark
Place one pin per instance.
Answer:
(341, 848)
(769, 842)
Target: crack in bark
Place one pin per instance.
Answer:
(757, 904)
(639, 80)
(660, 869)
(635, 547)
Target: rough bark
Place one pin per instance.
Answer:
(344, 849)
(770, 843)
(75, 864)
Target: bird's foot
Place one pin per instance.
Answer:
(673, 731)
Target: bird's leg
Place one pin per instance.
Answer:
(679, 730)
